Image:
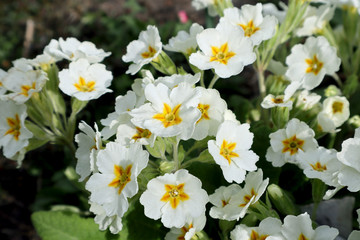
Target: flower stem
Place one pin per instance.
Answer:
(176, 155)
(213, 81)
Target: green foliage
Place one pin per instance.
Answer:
(57, 225)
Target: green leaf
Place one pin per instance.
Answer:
(57, 225)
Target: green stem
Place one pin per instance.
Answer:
(176, 155)
(213, 81)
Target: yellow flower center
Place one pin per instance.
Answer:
(277, 100)
(225, 202)
(314, 65)
(141, 133)
(184, 230)
(26, 88)
(255, 236)
(15, 125)
(150, 53)
(204, 111)
(122, 177)
(250, 28)
(226, 150)
(292, 145)
(302, 237)
(169, 117)
(222, 54)
(247, 198)
(174, 194)
(318, 167)
(84, 86)
(337, 107)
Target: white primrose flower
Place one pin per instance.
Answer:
(114, 222)
(189, 230)
(21, 85)
(129, 133)
(209, 4)
(349, 176)
(271, 101)
(185, 42)
(272, 10)
(269, 229)
(231, 150)
(352, 5)
(220, 199)
(355, 234)
(143, 50)
(321, 163)
(325, 124)
(85, 81)
(42, 61)
(336, 108)
(212, 108)
(170, 112)
(14, 136)
(309, 63)
(175, 79)
(2, 76)
(251, 20)
(253, 189)
(307, 100)
(224, 49)
(123, 106)
(174, 197)
(139, 85)
(90, 143)
(300, 227)
(230, 116)
(116, 181)
(287, 143)
(72, 50)
(315, 20)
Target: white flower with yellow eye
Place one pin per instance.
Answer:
(224, 49)
(212, 108)
(315, 20)
(306, 100)
(123, 106)
(174, 197)
(90, 143)
(220, 199)
(349, 176)
(231, 150)
(170, 112)
(189, 230)
(287, 143)
(143, 50)
(116, 181)
(185, 42)
(309, 63)
(254, 188)
(321, 163)
(21, 85)
(250, 19)
(271, 101)
(269, 228)
(14, 136)
(337, 109)
(300, 227)
(84, 81)
(129, 133)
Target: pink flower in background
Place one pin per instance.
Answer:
(183, 17)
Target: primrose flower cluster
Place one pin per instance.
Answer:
(146, 149)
